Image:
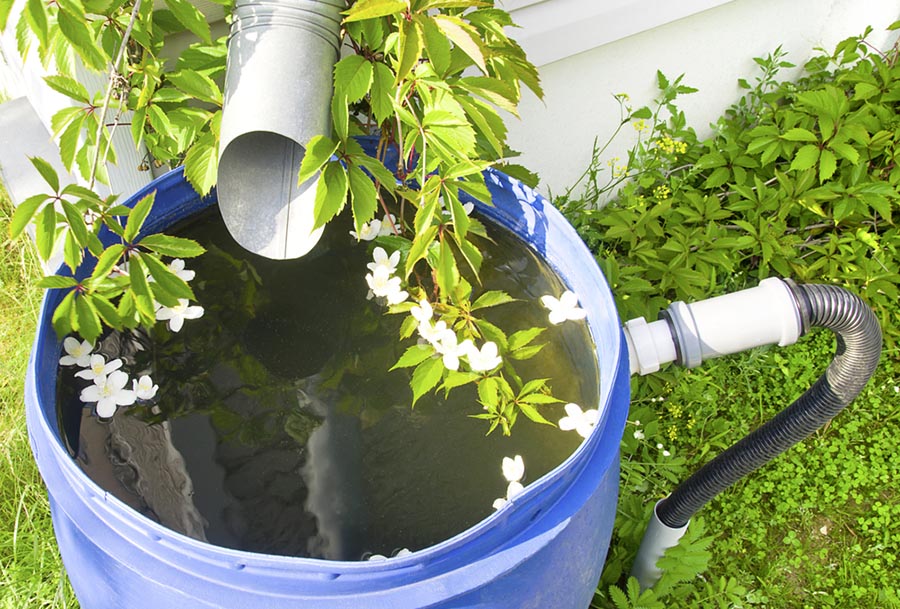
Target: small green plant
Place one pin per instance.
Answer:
(798, 180)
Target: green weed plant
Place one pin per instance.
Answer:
(799, 179)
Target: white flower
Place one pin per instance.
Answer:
(637, 423)
(450, 349)
(385, 285)
(109, 392)
(484, 359)
(659, 446)
(432, 332)
(467, 209)
(513, 469)
(513, 489)
(98, 367)
(581, 422)
(422, 312)
(666, 453)
(381, 259)
(177, 267)
(177, 314)
(143, 388)
(387, 228)
(638, 434)
(77, 353)
(566, 307)
(400, 554)
(120, 270)
(367, 231)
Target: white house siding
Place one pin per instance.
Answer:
(713, 48)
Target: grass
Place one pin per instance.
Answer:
(817, 527)
(31, 572)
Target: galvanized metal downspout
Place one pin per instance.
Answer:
(278, 87)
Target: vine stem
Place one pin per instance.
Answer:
(110, 85)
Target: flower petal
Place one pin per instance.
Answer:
(514, 489)
(106, 408)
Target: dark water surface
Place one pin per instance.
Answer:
(278, 428)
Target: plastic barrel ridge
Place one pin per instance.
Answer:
(545, 549)
(278, 85)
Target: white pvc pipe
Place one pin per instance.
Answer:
(658, 538)
(692, 333)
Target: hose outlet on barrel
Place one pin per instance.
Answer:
(775, 312)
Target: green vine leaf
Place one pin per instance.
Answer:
(196, 84)
(86, 320)
(176, 247)
(191, 18)
(24, 214)
(201, 163)
(370, 9)
(464, 37)
(413, 356)
(69, 87)
(57, 282)
(137, 216)
(331, 193)
(318, 152)
(36, 17)
(425, 377)
(353, 77)
(78, 33)
(363, 197)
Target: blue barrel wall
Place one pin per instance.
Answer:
(544, 551)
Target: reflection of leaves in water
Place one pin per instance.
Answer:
(300, 424)
(205, 368)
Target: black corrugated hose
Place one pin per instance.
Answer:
(855, 360)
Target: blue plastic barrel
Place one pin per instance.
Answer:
(544, 550)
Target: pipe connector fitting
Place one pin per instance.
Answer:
(765, 315)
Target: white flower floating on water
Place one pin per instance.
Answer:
(422, 312)
(388, 223)
(143, 388)
(177, 267)
(513, 470)
(432, 332)
(450, 349)
(581, 422)
(367, 231)
(485, 359)
(77, 353)
(400, 554)
(109, 393)
(381, 259)
(177, 314)
(384, 285)
(98, 367)
(564, 308)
